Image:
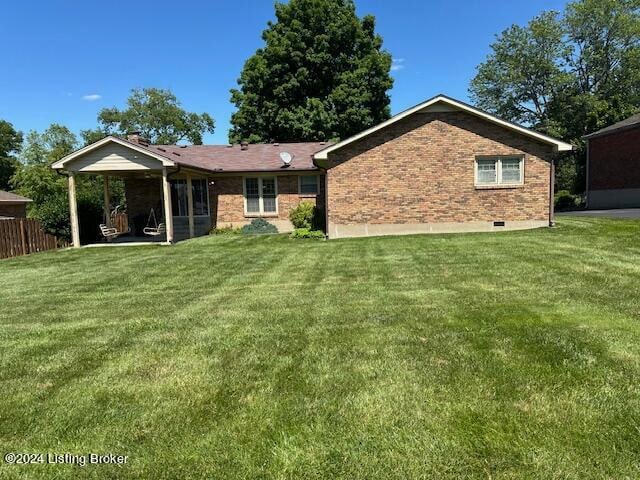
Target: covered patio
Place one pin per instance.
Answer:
(154, 185)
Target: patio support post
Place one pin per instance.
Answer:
(107, 200)
(190, 206)
(73, 211)
(168, 210)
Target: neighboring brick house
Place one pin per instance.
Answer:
(441, 166)
(613, 165)
(13, 205)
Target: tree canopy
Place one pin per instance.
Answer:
(566, 74)
(157, 114)
(322, 74)
(35, 179)
(10, 144)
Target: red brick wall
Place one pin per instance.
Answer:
(614, 160)
(13, 210)
(142, 195)
(227, 199)
(421, 170)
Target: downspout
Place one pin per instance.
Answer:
(586, 189)
(326, 203)
(552, 181)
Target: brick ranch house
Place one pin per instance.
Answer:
(441, 166)
(613, 165)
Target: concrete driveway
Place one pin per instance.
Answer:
(613, 213)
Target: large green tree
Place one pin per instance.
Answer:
(35, 179)
(157, 114)
(10, 144)
(322, 74)
(524, 71)
(566, 75)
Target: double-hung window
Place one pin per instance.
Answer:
(308, 184)
(199, 194)
(501, 170)
(260, 195)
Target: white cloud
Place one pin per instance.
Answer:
(397, 64)
(91, 97)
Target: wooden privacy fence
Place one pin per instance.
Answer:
(21, 236)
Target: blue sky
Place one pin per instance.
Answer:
(62, 61)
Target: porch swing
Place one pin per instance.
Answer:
(157, 229)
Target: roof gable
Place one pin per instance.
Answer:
(78, 154)
(442, 103)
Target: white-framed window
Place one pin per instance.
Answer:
(499, 170)
(308, 184)
(199, 193)
(260, 195)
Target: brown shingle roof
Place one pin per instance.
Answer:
(8, 197)
(256, 157)
(632, 121)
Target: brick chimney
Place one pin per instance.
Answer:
(136, 137)
(244, 146)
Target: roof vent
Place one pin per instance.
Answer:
(229, 145)
(244, 146)
(184, 146)
(276, 144)
(286, 158)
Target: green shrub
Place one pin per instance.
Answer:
(228, 230)
(259, 226)
(307, 233)
(302, 216)
(565, 200)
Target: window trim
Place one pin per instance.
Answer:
(206, 182)
(498, 183)
(307, 194)
(261, 212)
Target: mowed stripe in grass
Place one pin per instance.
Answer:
(511, 355)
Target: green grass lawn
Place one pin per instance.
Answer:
(509, 355)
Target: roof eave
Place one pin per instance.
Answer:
(601, 133)
(558, 145)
